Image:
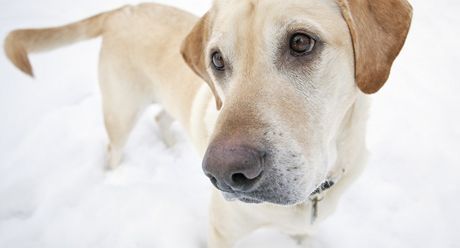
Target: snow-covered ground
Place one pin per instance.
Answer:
(54, 192)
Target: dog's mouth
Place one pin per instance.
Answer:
(256, 197)
(244, 198)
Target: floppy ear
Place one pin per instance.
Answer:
(378, 30)
(193, 51)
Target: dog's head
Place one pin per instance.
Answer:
(284, 74)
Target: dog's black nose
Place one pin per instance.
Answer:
(233, 168)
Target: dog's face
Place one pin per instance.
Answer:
(284, 74)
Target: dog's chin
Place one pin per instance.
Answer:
(253, 200)
(239, 197)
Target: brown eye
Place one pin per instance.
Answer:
(218, 61)
(301, 44)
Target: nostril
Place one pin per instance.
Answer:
(214, 180)
(220, 185)
(240, 179)
(243, 182)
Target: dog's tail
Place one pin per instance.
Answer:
(19, 43)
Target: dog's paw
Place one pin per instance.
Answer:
(113, 158)
(164, 122)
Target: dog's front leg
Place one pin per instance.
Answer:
(229, 221)
(164, 121)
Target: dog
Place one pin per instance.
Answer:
(273, 94)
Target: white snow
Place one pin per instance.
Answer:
(54, 192)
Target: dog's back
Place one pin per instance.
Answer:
(140, 62)
(127, 24)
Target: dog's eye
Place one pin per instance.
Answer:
(218, 61)
(301, 44)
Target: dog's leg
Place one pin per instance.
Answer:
(119, 121)
(301, 239)
(164, 121)
(125, 96)
(122, 104)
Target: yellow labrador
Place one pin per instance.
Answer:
(281, 118)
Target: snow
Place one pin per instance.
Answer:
(54, 192)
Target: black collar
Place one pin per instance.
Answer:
(316, 196)
(323, 187)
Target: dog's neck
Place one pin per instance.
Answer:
(351, 155)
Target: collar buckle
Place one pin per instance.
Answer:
(316, 196)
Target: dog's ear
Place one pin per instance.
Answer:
(378, 29)
(193, 52)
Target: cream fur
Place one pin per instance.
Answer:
(140, 64)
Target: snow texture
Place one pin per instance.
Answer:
(54, 192)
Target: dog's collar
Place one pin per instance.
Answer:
(323, 187)
(317, 195)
